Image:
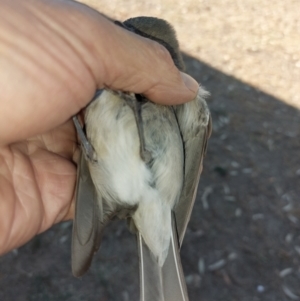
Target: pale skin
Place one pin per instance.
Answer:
(53, 56)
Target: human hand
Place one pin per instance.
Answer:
(53, 56)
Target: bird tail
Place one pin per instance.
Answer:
(166, 283)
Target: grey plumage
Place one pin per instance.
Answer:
(195, 123)
(164, 283)
(156, 194)
(86, 227)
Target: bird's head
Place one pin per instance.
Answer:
(160, 31)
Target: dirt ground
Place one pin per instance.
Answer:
(243, 240)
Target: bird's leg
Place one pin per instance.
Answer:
(136, 104)
(88, 149)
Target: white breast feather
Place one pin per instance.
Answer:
(121, 176)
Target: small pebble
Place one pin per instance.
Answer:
(217, 265)
(193, 279)
(258, 216)
(238, 212)
(230, 87)
(125, 295)
(230, 198)
(199, 233)
(232, 256)
(297, 249)
(285, 272)
(223, 136)
(289, 293)
(223, 120)
(293, 218)
(201, 266)
(226, 189)
(260, 288)
(288, 207)
(286, 197)
(235, 164)
(63, 239)
(289, 237)
(247, 170)
(207, 191)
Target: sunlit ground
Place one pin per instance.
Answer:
(256, 41)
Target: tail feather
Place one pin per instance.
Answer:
(164, 283)
(153, 220)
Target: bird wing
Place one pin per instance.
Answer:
(195, 138)
(87, 228)
(92, 212)
(166, 283)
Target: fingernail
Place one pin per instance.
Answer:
(190, 83)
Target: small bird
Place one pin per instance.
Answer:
(142, 162)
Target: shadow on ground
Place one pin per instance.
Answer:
(243, 241)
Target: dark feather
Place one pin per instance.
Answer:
(195, 146)
(86, 226)
(164, 283)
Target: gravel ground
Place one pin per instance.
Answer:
(243, 241)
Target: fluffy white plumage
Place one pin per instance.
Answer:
(120, 175)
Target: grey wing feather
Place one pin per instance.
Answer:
(195, 143)
(150, 274)
(166, 283)
(86, 226)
